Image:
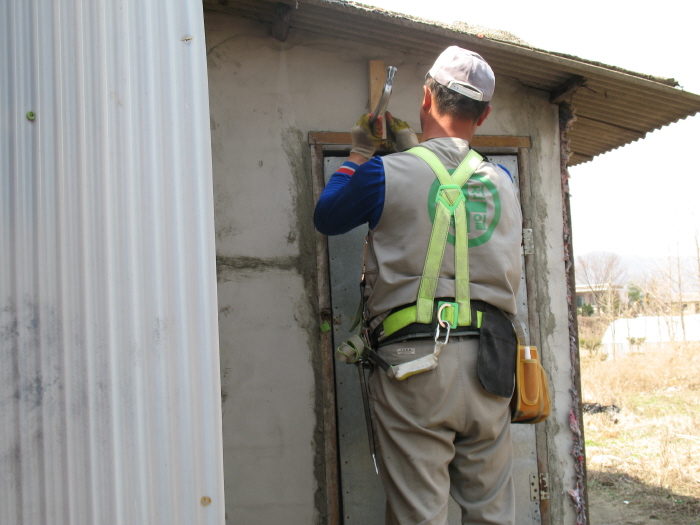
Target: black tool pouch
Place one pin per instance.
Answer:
(497, 347)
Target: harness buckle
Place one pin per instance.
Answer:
(455, 317)
(460, 197)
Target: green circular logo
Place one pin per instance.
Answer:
(483, 208)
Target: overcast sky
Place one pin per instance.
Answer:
(622, 201)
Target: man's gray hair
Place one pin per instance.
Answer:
(453, 104)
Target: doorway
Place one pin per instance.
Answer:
(357, 487)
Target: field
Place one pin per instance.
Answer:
(643, 436)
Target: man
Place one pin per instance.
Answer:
(445, 429)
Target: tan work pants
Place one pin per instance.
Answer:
(440, 433)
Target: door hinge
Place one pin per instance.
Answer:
(539, 487)
(528, 242)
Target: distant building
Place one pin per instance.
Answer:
(592, 294)
(691, 303)
(647, 333)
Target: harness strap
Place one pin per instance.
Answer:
(449, 203)
(401, 324)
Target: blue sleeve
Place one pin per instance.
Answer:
(349, 201)
(507, 172)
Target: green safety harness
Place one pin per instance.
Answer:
(449, 204)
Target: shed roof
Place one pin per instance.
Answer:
(613, 106)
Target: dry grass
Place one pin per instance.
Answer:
(650, 449)
(590, 333)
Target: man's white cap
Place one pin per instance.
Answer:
(464, 72)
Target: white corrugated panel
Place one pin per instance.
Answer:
(109, 374)
(619, 338)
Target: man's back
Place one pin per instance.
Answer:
(440, 396)
(399, 242)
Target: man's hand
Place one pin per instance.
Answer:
(366, 138)
(400, 134)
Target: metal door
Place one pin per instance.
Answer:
(362, 495)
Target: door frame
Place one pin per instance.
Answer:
(325, 144)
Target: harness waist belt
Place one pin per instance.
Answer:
(401, 324)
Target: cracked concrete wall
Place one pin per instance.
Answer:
(265, 97)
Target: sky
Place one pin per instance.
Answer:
(622, 201)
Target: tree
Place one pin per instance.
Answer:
(603, 273)
(587, 310)
(635, 294)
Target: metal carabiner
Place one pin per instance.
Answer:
(447, 335)
(442, 323)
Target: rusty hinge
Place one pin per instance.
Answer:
(528, 242)
(539, 487)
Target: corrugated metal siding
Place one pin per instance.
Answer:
(109, 373)
(617, 106)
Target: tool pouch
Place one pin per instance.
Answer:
(530, 402)
(495, 365)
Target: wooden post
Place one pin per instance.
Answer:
(377, 73)
(280, 21)
(377, 78)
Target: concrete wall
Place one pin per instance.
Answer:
(265, 97)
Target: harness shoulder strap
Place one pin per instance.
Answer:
(449, 203)
(460, 176)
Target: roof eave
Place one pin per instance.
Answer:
(607, 100)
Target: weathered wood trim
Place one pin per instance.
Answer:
(377, 76)
(567, 89)
(576, 356)
(500, 141)
(330, 430)
(479, 141)
(576, 364)
(281, 20)
(567, 118)
(329, 137)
